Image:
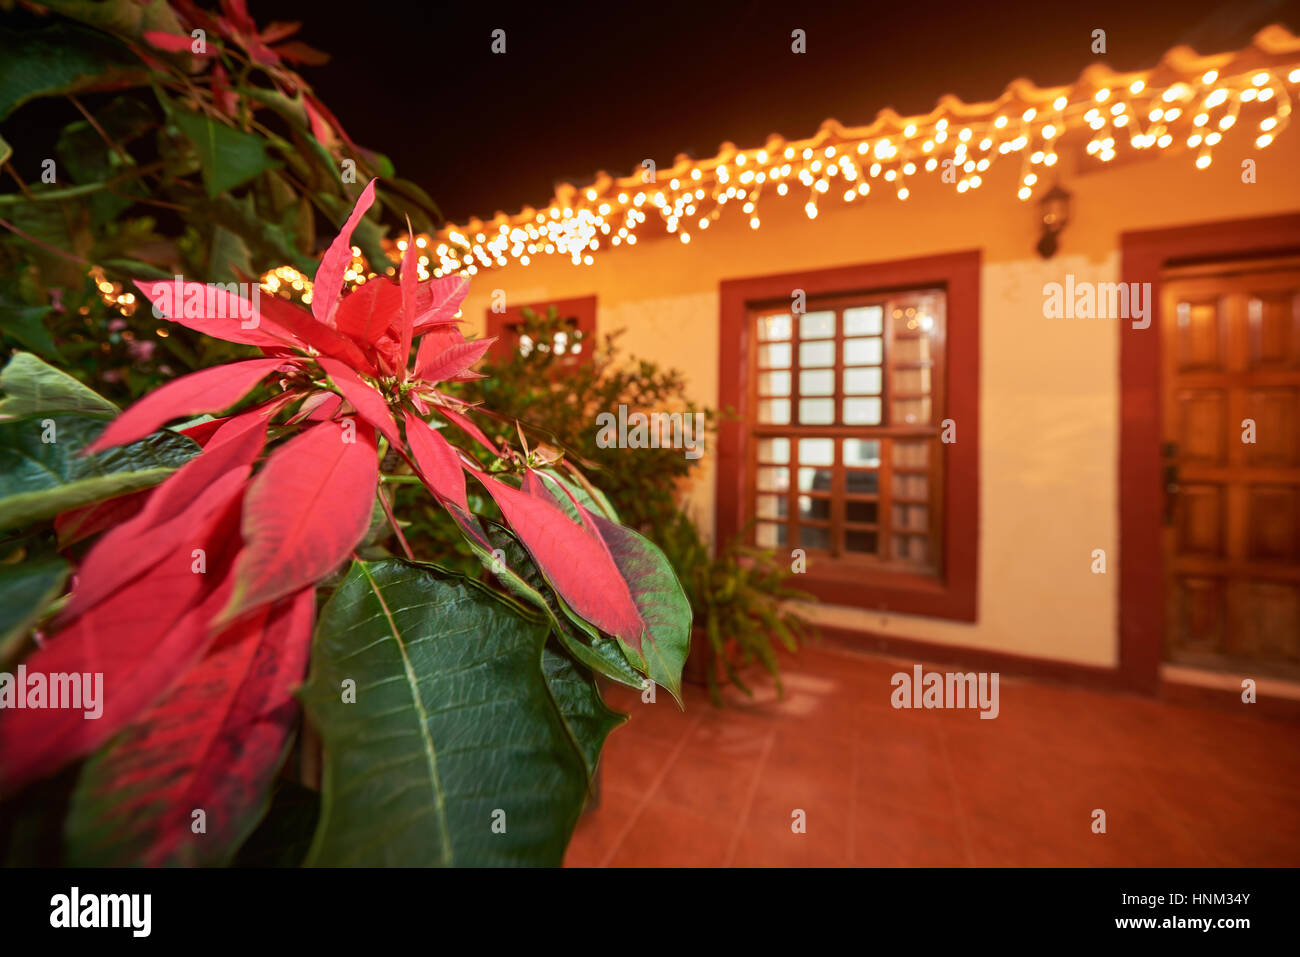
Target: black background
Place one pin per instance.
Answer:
(605, 86)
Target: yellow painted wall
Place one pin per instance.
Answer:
(1049, 387)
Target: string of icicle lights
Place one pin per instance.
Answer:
(1188, 102)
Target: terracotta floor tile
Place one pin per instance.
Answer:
(902, 763)
(1043, 817)
(665, 835)
(1238, 825)
(886, 836)
(733, 734)
(631, 764)
(709, 783)
(599, 830)
(768, 837)
(662, 721)
(879, 786)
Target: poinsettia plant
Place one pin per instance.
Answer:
(460, 723)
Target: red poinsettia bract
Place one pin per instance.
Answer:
(201, 598)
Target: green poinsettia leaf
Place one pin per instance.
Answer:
(514, 567)
(584, 711)
(26, 590)
(31, 386)
(453, 751)
(227, 157)
(43, 473)
(660, 599)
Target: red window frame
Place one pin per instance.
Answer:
(952, 594)
(504, 325)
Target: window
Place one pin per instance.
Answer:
(578, 316)
(837, 449)
(845, 428)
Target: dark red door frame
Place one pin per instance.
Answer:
(1144, 254)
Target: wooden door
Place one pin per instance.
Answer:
(1231, 456)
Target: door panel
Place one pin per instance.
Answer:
(1232, 510)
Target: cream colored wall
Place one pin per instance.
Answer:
(1049, 387)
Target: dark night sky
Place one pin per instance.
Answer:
(605, 86)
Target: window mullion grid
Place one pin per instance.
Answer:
(837, 510)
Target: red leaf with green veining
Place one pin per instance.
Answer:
(213, 743)
(329, 275)
(574, 560)
(141, 639)
(209, 390)
(304, 512)
(438, 461)
(176, 509)
(79, 524)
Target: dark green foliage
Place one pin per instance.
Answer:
(739, 601)
(149, 170)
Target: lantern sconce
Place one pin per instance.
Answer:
(1054, 210)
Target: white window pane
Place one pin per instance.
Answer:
(817, 325)
(774, 383)
(864, 321)
(862, 381)
(817, 411)
(774, 411)
(861, 452)
(817, 382)
(817, 354)
(861, 411)
(775, 356)
(816, 451)
(773, 327)
(861, 352)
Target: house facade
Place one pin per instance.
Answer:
(1086, 462)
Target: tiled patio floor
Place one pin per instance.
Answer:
(1180, 786)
